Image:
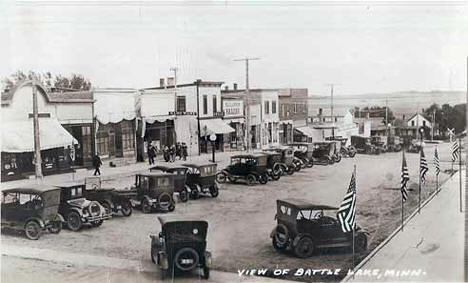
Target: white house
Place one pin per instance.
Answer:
(418, 120)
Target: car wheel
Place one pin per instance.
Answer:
(263, 178)
(277, 169)
(32, 230)
(206, 273)
(297, 166)
(275, 176)
(183, 195)
(337, 158)
(97, 223)
(186, 259)
(107, 206)
(56, 227)
(165, 200)
(360, 242)
(310, 163)
(214, 191)
(290, 170)
(281, 237)
(221, 178)
(145, 206)
(194, 192)
(127, 209)
(251, 179)
(171, 207)
(352, 154)
(331, 160)
(74, 221)
(304, 247)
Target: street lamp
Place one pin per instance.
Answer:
(213, 139)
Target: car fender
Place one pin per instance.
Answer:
(60, 217)
(224, 171)
(35, 219)
(78, 210)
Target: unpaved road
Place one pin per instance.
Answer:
(242, 217)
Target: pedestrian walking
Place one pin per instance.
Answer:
(184, 151)
(173, 152)
(166, 154)
(97, 164)
(150, 153)
(179, 150)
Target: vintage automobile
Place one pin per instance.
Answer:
(415, 146)
(201, 179)
(32, 209)
(324, 152)
(153, 191)
(304, 228)
(251, 168)
(304, 151)
(181, 246)
(114, 201)
(364, 145)
(345, 150)
(77, 210)
(394, 143)
(380, 143)
(337, 151)
(180, 179)
(287, 159)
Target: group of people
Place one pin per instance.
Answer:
(169, 153)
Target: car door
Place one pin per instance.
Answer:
(330, 231)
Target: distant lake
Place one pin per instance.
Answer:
(402, 103)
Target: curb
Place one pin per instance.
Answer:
(394, 233)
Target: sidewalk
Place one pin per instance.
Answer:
(431, 244)
(121, 171)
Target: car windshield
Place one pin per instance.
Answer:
(23, 200)
(311, 214)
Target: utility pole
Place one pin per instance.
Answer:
(175, 69)
(247, 101)
(37, 140)
(433, 125)
(386, 117)
(331, 109)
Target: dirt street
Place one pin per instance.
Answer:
(242, 217)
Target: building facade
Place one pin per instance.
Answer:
(233, 115)
(293, 110)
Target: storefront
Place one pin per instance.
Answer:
(218, 127)
(233, 110)
(285, 131)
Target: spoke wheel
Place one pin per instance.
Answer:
(126, 209)
(263, 179)
(74, 221)
(145, 206)
(183, 195)
(56, 227)
(251, 179)
(32, 230)
(304, 247)
(214, 190)
(221, 178)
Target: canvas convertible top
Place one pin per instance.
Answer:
(301, 204)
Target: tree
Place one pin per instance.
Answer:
(53, 83)
(447, 117)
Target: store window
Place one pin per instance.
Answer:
(128, 141)
(215, 104)
(102, 140)
(267, 107)
(181, 104)
(273, 107)
(205, 104)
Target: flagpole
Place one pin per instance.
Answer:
(459, 171)
(355, 216)
(419, 193)
(402, 209)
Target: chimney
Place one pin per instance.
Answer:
(235, 86)
(170, 81)
(162, 82)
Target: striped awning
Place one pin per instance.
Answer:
(214, 126)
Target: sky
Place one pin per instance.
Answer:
(365, 47)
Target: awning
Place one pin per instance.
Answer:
(214, 126)
(114, 107)
(308, 131)
(234, 120)
(160, 119)
(18, 136)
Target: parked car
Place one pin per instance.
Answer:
(251, 168)
(181, 246)
(304, 227)
(287, 158)
(324, 152)
(305, 152)
(415, 146)
(394, 143)
(337, 151)
(180, 179)
(273, 167)
(364, 145)
(345, 150)
(380, 143)
(201, 179)
(114, 201)
(77, 210)
(32, 209)
(153, 191)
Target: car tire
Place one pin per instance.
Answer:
(263, 178)
(360, 242)
(186, 252)
(331, 160)
(171, 207)
(33, 230)
(206, 273)
(194, 192)
(183, 195)
(275, 176)
(127, 209)
(56, 227)
(304, 247)
(310, 163)
(352, 154)
(97, 223)
(221, 178)
(214, 190)
(280, 237)
(277, 169)
(107, 207)
(250, 178)
(145, 206)
(290, 170)
(74, 222)
(337, 158)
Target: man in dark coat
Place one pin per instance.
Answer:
(150, 154)
(184, 151)
(97, 163)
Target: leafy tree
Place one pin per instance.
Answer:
(448, 117)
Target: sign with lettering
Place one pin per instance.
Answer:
(233, 108)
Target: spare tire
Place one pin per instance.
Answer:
(281, 237)
(164, 200)
(94, 208)
(186, 259)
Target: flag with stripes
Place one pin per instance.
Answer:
(436, 161)
(423, 168)
(347, 210)
(404, 179)
(455, 148)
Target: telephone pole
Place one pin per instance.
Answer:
(386, 117)
(331, 85)
(37, 140)
(247, 100)
(175, 69)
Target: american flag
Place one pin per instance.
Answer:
(423, 168)
(455, 148)
(404, 179)
(347, 210)
(436, 161)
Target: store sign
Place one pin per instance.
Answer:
(233, 108)
(182, 113)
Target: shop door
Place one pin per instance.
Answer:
(77, 133)
(111, 144)
(118, 141)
